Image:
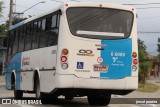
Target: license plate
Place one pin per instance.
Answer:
(103, 68)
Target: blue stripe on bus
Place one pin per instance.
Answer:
(8, 80)
(117, 56)
(15, 64)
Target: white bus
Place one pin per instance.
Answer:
(77, 49)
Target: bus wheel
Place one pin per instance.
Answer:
(37, 89)
(18, 94)
(101, 100)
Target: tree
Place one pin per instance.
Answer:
(4, 27)
(157, 62)
(3, 32)
(1, 27)
(17, 20)
(145, 64)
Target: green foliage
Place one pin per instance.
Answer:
(17, 20)
(145, 64)
(3, 32)
(4, 28)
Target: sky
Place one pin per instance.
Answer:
(148, 16)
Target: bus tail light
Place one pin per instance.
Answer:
(64, 51)
(64, 59)
(100, 5)
(135, 61)
(66, 5)
(134, 54)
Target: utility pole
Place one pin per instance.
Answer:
(11, 13)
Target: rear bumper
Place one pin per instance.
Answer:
(71, 81)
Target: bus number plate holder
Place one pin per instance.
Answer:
(100, 68)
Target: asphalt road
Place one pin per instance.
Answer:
(116, 101)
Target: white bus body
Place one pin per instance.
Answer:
(84, 62)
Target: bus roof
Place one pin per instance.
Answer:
(73, 4)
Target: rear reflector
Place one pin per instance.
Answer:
(134, 68)
(64, 65)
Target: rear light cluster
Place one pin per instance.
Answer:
(135, 61)
(64, 59)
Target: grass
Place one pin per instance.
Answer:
(147, 87)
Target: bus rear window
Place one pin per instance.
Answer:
(99, 23)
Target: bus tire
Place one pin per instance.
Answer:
(18, 94)
(37, 89)
(99, 100)
(45, 98)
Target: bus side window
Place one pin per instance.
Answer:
(43, 24)
(24, 33)
(48, 23)
(35, 39)
(58, 19)
(15, 44)
(21, 40)
(53, 21)
(39, 30)
(39, 26)
(53, 33)
(28, 38)
(10, 44)
(43, 35)
(34, 27)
